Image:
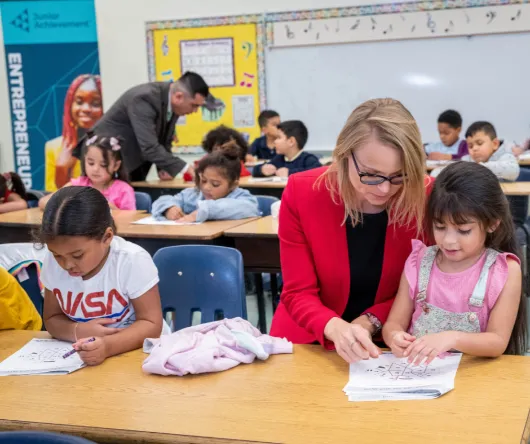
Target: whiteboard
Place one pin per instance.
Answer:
(482, 77)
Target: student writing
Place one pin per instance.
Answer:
(465, 292)
(216, 195)
(450, 146)
(96, 284)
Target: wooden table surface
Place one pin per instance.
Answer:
(263, 227)
(179, 184)
(206, 231)
(33, 217)
(516, 188)
(294, 398)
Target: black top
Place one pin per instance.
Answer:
(366, 245)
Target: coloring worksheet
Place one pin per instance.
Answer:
(391, 378)
(42, 357)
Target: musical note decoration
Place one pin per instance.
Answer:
(248, 80)
(288, 32)
(247, 46)
(516, 16)
(355, 25)
(491, 16)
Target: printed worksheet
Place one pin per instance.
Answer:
(42, 357)
(150, 220)
(391, 378)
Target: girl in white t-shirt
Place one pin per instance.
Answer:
(97, 285)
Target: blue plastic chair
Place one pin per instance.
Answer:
(265, 203)
(40, 438)
(32, 287)
(203, 278)
(143, 201)
(33, 197)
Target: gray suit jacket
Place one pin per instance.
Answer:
(139, 117)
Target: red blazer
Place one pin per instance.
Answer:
(315, 265)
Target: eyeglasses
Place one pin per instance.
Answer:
(376, 179)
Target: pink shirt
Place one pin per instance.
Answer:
(451, 291)
(120, 193)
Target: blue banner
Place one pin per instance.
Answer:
(54, 87)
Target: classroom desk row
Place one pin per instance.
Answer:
(294, 398)
(158, 188)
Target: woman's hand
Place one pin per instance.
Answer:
(353, 342)
(174, 213)
(91, 353)
(401, 340)
(429, 346)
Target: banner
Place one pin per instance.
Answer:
(54, 87)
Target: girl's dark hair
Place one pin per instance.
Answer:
(226, 159)
(76, 211)
(223, 134)
(109, 151)
(466, 191)
(14, 184)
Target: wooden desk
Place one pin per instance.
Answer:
(294, 398)
(157, 188)
(524, 162)
(17, 225)
(516, 188)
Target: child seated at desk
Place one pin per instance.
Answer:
(219, 137)
(102, 168)
(450, 147)
(12, 193)
(101, 292)
(263, 147)
(290, 159)
(216, 195)
(17, 312)
(465, 292)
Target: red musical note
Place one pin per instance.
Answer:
(249, 82)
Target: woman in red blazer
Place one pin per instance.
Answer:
(353, 220)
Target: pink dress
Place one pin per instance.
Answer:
(120, 193)
(453, 301)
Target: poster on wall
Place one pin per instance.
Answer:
(54, 86)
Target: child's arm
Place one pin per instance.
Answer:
(13, 203)
(62, 327)
(148, 324)
(506, 167)
(128, 199)
(395, 329)
(164, 203)
(241, 207)
(309, 163)
(462, 151)
(44, 200)
(492, 342)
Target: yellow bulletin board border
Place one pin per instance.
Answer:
(258, 20)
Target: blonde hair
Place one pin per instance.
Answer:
(392, 124)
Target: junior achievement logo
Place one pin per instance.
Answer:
(21, 21)
(49, 20)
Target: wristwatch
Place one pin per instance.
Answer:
(375, 322)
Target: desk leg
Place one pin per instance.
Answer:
(274, 291)
(262, 321)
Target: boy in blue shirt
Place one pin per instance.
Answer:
(263, 147)
(290, 159)
(450, 147)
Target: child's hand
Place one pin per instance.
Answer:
(250, 158)
(164, 175)
(174, 213)
(282, 172)
(439, 156)
(95, 327)
(517, 150)
(91, 353)
(112, 206)
(401, 340)
(430, 346)
(192, 217)
(268, 169)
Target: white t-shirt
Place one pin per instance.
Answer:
(128, 273)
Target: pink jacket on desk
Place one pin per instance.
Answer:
(211, 347)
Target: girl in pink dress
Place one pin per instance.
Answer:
(465, 292)
(102, 168)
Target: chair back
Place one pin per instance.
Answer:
(201, 278)
(143, 201)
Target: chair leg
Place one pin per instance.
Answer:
(274, 291)
(262, 321)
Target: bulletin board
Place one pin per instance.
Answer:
(228, 53)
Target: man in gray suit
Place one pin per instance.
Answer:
(145, 117)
